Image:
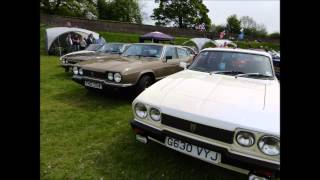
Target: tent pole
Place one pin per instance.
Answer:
(59, 45)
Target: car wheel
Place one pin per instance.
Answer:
(66, 69)
(144, 82)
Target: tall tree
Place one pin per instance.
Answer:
(233, 24)
(120, 10)
(181, 13)
(78, 8)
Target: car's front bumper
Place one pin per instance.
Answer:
(81, 79)
(229, 160)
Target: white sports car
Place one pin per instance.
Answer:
(224, 109)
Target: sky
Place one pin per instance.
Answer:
(265, 12)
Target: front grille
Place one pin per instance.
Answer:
(94, 74)
(199, 129)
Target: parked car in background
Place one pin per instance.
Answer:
(106, 50)
(223, 109)
(90, 49)
(140, 65)
(276, 62)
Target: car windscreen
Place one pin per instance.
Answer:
(143, 50)
(232, 63)
(111, 48)
(93, 47)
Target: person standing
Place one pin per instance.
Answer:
(76, 42)
(222, 34)
(83, 43)
(90, 39)
(69, 42)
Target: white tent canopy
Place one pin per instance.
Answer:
(201, 42)
(53, 33)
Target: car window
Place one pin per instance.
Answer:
(171, 51)
(210, 61)
(111, 48)
(182, 53)
(143, 50)
(190, 51)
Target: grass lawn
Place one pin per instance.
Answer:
(86, 135)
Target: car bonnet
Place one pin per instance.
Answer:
(218, 100)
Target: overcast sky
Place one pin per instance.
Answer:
(265, 12)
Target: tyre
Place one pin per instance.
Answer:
(66, 69)
(144, 82)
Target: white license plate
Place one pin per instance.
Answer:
(93, 84)
(192, 150)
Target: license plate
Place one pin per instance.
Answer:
(93, 84)
(193, 150)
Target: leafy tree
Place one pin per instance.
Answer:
(78, 8)
(233, 24)
(183, 14)
(120, 10)
(216, 29)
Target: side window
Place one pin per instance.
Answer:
(171, 51)
(182, 53)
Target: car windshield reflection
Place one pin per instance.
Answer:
(233, 64)
(141, 50)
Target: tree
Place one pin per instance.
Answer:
(216, 29)
(78, 8)
(247, 22)
(233, 24)
(183, 14)
(261, 31)
(120, 10)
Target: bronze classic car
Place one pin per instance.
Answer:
(140, 65)
(107, 50)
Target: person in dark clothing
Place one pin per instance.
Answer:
(90, 39)
(69, 43)
(76, 43)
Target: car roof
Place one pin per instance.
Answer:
(239, 50)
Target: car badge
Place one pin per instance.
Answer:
(193, 127)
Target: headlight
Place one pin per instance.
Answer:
(75, 70)
(140, 110)
(245, 139)
(269, 145)
(110, 76)
(81, 71)
(155, 114)
(117, 77)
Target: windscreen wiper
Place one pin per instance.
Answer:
(226, 72)
(254, 74)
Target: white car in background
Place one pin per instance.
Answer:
(223, 109)
(90, 49)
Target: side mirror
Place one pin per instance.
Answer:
(184, 65)
(168, 57)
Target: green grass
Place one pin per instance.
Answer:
(86, 135)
